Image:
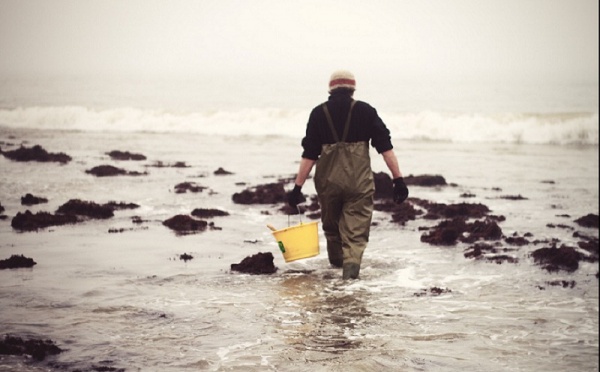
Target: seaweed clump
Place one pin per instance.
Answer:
(258, 264)
(38, 349)
(36, 153)
(16, 262)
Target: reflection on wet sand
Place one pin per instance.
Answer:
(322, 317)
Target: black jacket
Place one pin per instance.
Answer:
(365, 126)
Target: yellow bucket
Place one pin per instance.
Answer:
(299, 241)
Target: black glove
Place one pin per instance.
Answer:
(400, 190)
(295, 196)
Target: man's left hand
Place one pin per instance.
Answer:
(400, 190)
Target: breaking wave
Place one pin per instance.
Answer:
(531, 128)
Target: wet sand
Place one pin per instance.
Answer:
(494, 269)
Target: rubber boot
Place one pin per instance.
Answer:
(351, 271)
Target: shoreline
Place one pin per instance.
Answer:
(108, 283)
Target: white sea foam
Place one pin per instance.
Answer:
(460, 127)
(460, 113)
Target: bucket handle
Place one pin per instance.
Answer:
(299, 215)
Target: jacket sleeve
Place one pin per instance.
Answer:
(380, 135)
(312, 142)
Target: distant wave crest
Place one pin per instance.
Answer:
(532, 128)
(547, 128)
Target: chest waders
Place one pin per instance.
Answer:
(345, 187)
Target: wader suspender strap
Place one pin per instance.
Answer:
(346, 126)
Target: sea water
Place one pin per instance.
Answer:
(126, 300)
(462, 113)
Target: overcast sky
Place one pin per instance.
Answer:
(536, 40)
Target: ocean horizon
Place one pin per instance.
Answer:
(554, 114)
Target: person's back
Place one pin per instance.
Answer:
(365, 124)
(337, 139)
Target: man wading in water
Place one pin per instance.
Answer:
(337, 141)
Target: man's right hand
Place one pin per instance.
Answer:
(295, 196)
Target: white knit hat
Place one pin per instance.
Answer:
(342, 79)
